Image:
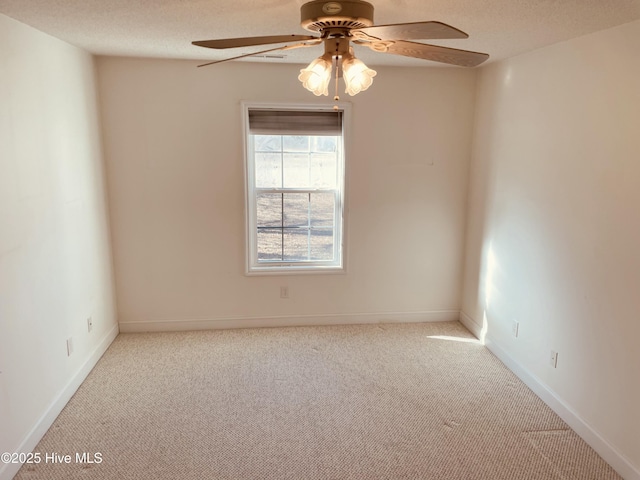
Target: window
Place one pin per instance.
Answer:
(295, 189)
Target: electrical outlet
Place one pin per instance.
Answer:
(69, 346)
(284, 292)
(515, 327)
(553, 359)
(89, 324)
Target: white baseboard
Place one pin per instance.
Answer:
(8, 471)
(471, 325)
(607, 451)
(289, 321)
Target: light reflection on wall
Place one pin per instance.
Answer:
(488, 286)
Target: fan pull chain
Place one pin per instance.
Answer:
(336, 97)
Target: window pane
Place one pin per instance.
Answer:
(269, 209)
(296, 181)
(324, 144)
(296, 170)
(268, 143)
(323, 170)
(296, 209)
(269, 245)
(297, 143)
(321, 244)
(268, 170)
(322, 209)
(296, 245)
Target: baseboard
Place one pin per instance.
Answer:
(471, 325)
(8, 471)
(289, 321)
(607, 451)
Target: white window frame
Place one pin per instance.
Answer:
(253, 267)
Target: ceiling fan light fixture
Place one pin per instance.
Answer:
(317, 75)
(357, 76)
(341, 22)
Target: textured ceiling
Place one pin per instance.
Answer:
(165, 28)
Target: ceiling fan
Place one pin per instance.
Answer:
(342, 22)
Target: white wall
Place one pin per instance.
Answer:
(175, 167)
(554, 228)
(55, 264)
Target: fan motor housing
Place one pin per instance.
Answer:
(320, 15)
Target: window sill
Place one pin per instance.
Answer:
(295, 270)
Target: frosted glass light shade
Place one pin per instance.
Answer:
(317, 75)
(357, 76)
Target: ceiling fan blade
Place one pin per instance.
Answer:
(409, 31)
(286, 47)
(251, 41)
(453, 56)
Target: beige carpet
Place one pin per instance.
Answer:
(341, 402)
